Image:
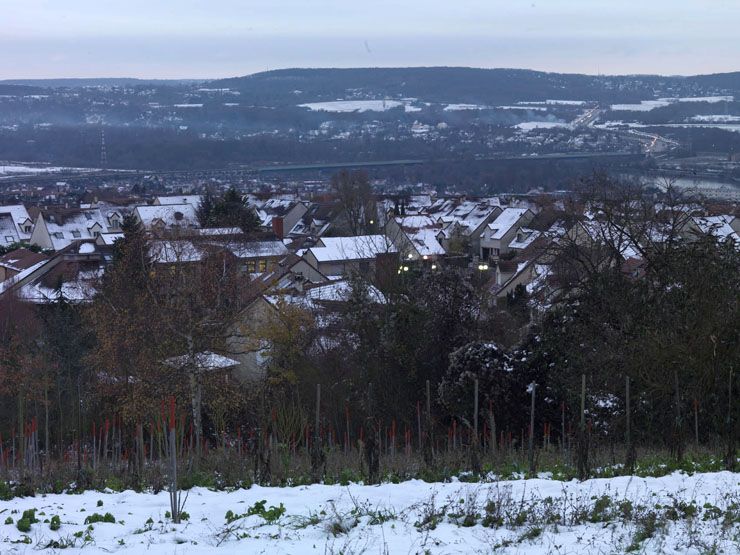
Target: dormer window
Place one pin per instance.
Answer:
(9, 239)
(27, 229)
(88, 216)
(58, 235)
(76, 234)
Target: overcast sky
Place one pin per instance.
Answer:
(219, 38)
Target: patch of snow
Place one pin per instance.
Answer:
(346, 106)
(314, 513)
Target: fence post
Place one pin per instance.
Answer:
(532, 388)
(582, 441)
(317, 453)
(174, 501)
(631, 456)
(475, 410)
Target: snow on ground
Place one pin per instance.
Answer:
(717, 118)
(353, 105)
(567, 102)
(644, 106)
(410, 517)
(459, 107)
(19, 169)
(530, 125)
(647, 105)
(530, 108)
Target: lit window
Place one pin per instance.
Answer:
(263, 265)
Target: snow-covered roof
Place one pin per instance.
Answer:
(425, 242)
(523, 238)
(333, 292)
(257, 249)
(110, 238)
(170, 252)
(183, 250)
(717, 226)
(416, 221)
(340, 291)
(66, 228)
(351, 248)
(504, 222)
(606, 234)
(8, 283)
(205, 360)
(11, 218)
(193, 200)
(78, 291)
(169, 215)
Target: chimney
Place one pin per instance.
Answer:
(277, 227)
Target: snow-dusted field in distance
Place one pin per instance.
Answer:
(647, 105)
(410, 517)
(16, 169)
(530, 125)
(359, 106)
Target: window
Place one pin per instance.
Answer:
(88, 215)
(252, 266)
(96, 234)
(27, 228)
(76, 234)
(263, 265)
(114, 223)
(9, 238)
(58, 235)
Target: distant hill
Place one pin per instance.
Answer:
(101, 82)
(461, 84)
(19, 90)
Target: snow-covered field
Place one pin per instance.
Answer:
(356, 106)
(672, 514)
(647, 105)
(530, 125)
(19, 169)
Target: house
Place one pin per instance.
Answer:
(280, 215)
(15, 262)
(322, 300)
(253, 256)
(498, 234)
(15, 225)
(161, 218)
(415, 237)
(73, 272)
(292, 273)
(318, 219)
(723, 228)
(57, 229)
(334, 256)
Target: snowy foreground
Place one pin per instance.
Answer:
(673, 514)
